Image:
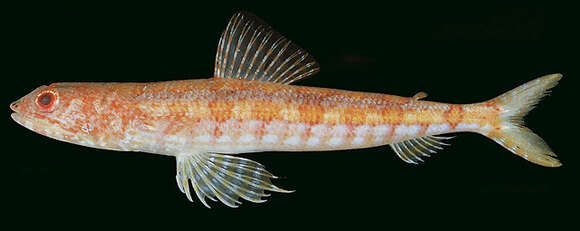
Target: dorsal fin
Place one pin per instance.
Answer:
(419, 95)
(250, 49)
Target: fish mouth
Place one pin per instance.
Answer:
(14, 105)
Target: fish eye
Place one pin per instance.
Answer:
(46, 99)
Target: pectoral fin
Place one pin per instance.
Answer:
(224, 178)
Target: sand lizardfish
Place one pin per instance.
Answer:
(250, 106)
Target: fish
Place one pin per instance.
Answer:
(250, 105)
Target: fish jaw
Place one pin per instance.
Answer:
(29, 122)
(16, 117)
(39, 126)
(51, 130)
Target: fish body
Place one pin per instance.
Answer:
(249, 106)
(240, 116)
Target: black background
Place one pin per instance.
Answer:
(456, 53)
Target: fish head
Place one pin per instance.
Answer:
(58, 111)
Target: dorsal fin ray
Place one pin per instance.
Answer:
(250, 49)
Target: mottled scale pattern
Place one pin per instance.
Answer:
(236, 116)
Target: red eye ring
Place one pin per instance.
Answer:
(46, 100)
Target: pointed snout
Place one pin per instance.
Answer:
(14, 105)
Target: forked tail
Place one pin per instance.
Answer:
(513, 106)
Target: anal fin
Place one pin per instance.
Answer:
(224, 178)
(412, 150)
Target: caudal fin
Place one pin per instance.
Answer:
(514, 105)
